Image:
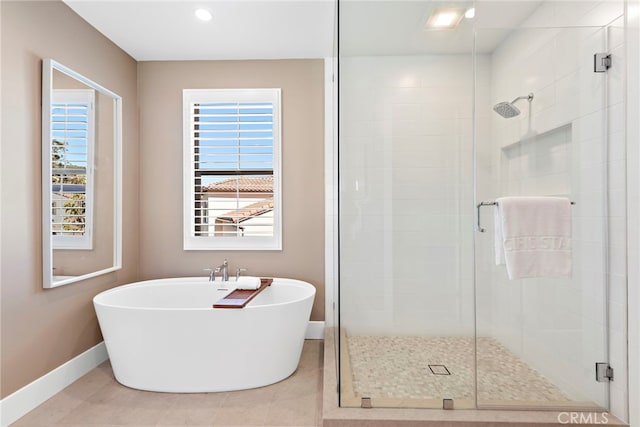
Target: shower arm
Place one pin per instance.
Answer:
(527, 97)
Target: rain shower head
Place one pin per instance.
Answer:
(507, 109)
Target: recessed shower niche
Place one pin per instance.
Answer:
(538, 164)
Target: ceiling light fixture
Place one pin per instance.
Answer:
(203, 14)
(444, 18)
(470, 13)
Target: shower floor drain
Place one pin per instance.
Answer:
(439, 370)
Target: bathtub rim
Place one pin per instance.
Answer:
(203, 281)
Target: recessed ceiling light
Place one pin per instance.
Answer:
(444, 18)
(470, 13)
(203, 14)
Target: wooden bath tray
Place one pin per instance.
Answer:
(241, 297)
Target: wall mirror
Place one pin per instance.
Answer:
(81, 177)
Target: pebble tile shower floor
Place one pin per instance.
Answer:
(97, 400)
(398, 367)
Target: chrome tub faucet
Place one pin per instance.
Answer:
(223, 268)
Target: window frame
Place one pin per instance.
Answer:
(190, 240)
(78, 96)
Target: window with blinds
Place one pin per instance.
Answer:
(232, 169)
(72, 147)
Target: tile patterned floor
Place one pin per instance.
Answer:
(398, 367)
(97, 400)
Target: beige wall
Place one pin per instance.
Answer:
(160, 96)
(42, 329)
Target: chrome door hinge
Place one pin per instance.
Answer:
(604, 372)
(601, 62)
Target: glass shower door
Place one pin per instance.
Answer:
(406, 218)
(539, 339)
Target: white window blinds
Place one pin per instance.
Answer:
(72, 142)
(232, 146)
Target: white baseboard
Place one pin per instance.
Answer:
(30, 396)
(315, 330)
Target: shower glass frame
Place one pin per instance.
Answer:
(375, 299)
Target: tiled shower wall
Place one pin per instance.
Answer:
(559, 326)
(406, 179)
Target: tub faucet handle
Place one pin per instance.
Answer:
(212, 273)
(239, 272)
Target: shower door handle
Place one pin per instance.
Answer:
(478, 206)
(481, 204)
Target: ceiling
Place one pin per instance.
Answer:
(398, 27)
(154, 30)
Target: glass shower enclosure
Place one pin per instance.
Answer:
(426, 317)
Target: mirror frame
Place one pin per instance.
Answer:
(48, 67)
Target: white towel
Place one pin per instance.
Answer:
(533, 236)
(248, 283)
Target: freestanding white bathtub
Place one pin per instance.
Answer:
(163, 335)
